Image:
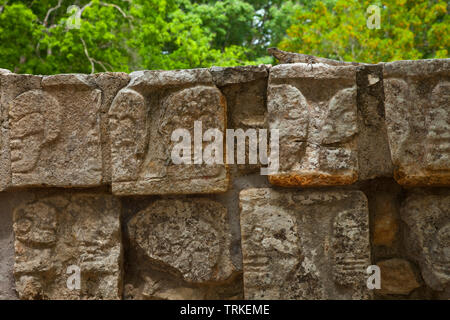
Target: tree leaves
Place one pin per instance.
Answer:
(116, 35)
(409, 30)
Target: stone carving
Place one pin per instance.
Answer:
(109, 83)
(7, 291)
(11, 85)
(142, 119)
(55, 133)
(35, 121)
(418, 120)
(286, 255)
(245, 89)
(427, 237)
(182, 247)
(315, 112)
(55, 232)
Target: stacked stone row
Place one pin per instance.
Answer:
(87, 179)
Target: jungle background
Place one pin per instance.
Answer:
(66, 36)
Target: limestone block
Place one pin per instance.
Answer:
(427, 237)
(418, 120)
(56, 232)
(245, 89)
(304, 244)
(181, 249)
(315, 111)
(374, 156)
(397, 277)
(110, 83)
(385, 220)
(11, 85)
(143, 117)
(54, 132)
(6, 249)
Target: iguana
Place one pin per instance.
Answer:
(290, 57)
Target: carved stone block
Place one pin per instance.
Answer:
(181, 250)
(6, 248)
(143, 117)
(245, 89)
(54, 133)
(427, 237)
(56, 232)
(11, 85)
(315, 111)
(304, 244)
(110, 83)
(418, 120)
(374, 156)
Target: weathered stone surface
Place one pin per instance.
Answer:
(418, 120)
(6, 249)
(427, 237)
(8, 201)
(304, 244)
(245, 89)
(316, 114)
(397, 277)
(11, 85)
(142, 119)
(55, 232)
(110, 83)
(385, 228)
(54, 132)
(181, 249)
(236, 75)
(374, 157)
(6, 252)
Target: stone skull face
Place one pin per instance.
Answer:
(181, 110)
(34, 120)
(437, 121)
(27, 135)
(36, 223)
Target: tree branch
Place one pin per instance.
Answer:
(87, 55)
(117, 7)
(50, 11)
(92, 60)
(3, 6)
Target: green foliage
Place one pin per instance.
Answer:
(409, 29)
(42, 36)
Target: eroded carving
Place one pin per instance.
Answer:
(428, 236)
(418, 121)
(11, 86)
(315, 112)
(185, 248)
(35, 120)
(54, 233)
(142, 119)
(55, 134)
(286, 256)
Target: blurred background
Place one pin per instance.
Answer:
(65, 36)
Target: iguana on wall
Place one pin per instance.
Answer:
(290, 57)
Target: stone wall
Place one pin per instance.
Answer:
(87, 180)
